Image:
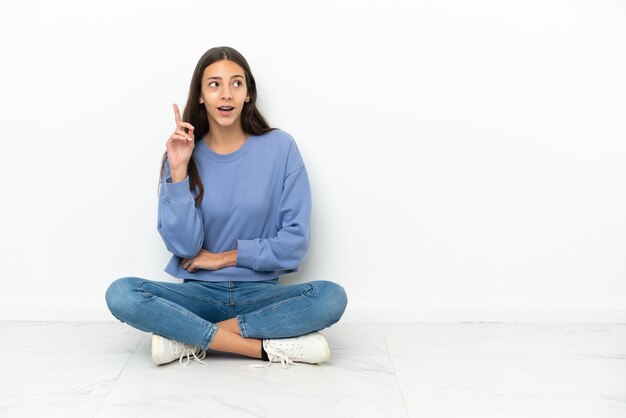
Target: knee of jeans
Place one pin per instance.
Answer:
(333, 300)
(118, 296)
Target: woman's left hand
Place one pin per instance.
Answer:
(204, 260)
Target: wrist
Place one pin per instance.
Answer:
(178, 174)
(229, 258)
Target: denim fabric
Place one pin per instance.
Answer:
(188, 311)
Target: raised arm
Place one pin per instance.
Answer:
(179, 221)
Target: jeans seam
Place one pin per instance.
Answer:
(242, 318)
(269, 298)
(201, 321)
(182, 310)
(260, 311)
(178, 293)
(261, 300)
(242, 325)
(209, 338)
(265, 308)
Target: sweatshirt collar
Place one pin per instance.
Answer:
(226, 158)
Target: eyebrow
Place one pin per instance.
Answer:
(219, 78)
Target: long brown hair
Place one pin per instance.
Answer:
(252, 122)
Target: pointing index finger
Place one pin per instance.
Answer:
(176, 113)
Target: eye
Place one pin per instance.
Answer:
(212, 82)
(238, 81)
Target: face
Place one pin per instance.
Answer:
(224, 84)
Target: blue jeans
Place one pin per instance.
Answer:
(187, 312)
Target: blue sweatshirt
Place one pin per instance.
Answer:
(257, 200)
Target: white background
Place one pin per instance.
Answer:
(467, 159)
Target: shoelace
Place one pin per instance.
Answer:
(189, 349)
(284, 358)
(276, 353)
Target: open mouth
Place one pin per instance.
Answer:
(225, 110)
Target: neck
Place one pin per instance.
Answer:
(225, 137)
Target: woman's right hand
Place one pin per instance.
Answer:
(180, 144)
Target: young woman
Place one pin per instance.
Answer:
(234, 210)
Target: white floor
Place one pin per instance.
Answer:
(87, 369)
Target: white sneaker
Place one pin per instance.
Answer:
(166, 351)
(309, 348)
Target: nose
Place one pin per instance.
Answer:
(226, 94)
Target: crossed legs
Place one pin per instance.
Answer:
(177, 311)
(228, 339)
(170, 310)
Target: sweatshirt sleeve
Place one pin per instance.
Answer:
(179, 222)
(287, 249)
